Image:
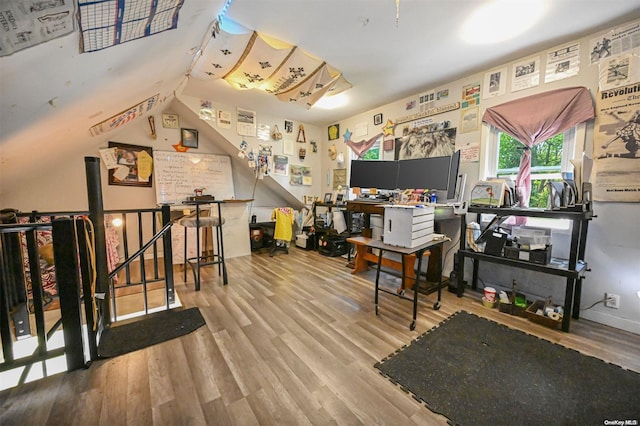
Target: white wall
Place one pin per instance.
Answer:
(612, 247)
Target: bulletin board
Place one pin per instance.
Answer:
(177, 174)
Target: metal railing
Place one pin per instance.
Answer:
(73, 237)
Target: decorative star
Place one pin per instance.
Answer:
(387, 129)
(179, 148)
(347, 135)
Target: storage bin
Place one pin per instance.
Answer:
(541, 257)
(512, 308)
(533, 316)
(408, 225)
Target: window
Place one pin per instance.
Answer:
(549, 160)
(373, 153)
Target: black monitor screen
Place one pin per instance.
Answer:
(424, 173)
(453, 175)
(373, 174)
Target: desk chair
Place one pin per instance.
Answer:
(203, 219)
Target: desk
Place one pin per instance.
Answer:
(442, 213)
(417, 252)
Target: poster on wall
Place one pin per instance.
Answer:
(525, 74)
(616, 145)
(224, 119)
(280, 165)
(300, 175)
(25, 24)
(469, 119)
(339, 179)
(495, 83)
(615, 42)
(618, 71)
(125, 116)
(470, 152)
(563, 62)
(246, 125)
(427, 101)
(470, 95)
(434, 140)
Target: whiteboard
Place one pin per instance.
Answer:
(177, 174)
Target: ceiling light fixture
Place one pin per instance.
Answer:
(332, 102)
(501, 20)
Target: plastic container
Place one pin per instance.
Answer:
(490, 294)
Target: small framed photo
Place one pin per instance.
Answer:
(189, 138)
(339, 198)
(170, 121)
(377, 119)
(328, 197)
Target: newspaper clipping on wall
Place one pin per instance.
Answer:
(616, 145)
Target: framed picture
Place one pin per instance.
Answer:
(288, 126)
(333, 132)
(377, 119)
(170, 121)
(189, 138)
(134, 165)
(339, 198)
(328, 197)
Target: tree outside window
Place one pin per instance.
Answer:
(546, 164)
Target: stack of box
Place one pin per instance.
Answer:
(408, 225)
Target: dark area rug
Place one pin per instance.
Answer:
(152, 329)
(475, 371)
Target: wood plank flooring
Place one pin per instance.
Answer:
(291, 340)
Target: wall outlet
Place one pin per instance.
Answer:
(612, 300)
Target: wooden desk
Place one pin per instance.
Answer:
(443, 213)
(417, 252)
(364, 256)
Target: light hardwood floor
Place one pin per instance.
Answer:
(291, 340)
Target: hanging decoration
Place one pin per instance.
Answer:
(276, 135)
(302, 138)
(256, 61)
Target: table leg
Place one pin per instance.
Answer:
(378, 280)
(416, 290)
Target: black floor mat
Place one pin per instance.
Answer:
(477, 372)
(155, 328)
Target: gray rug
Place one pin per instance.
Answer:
(477, 372)
(150, 330)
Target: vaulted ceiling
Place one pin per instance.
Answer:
(51, 95)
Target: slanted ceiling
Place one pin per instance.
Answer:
(51, 95)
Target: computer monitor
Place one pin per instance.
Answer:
(373, 174)
(424, 173)
(454, 168)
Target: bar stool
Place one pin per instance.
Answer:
(202, 219)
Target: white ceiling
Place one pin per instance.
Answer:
(383, 61)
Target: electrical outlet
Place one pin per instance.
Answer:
(612, 300)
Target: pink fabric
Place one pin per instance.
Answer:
(361, 147)
(536, 118)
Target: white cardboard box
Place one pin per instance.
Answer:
(408, 225)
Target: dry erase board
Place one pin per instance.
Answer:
(177, 174)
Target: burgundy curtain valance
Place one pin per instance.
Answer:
(536, 118)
